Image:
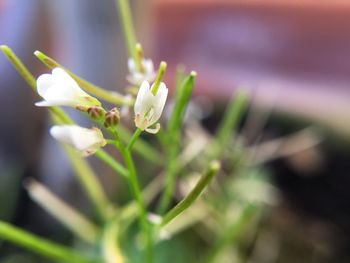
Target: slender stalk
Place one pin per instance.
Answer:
(64, 213)
(227, 126)
(133, 139)
(128, 27)
(19, 66)
(136, 191)
(31, 81)
(170, 176)
(110, 96)
(159, 78)
(89, 181)
(111, 162)
(111, 249)
(179, 77)
(183, 95)
(86, 176)
(141, 147)
(60, 116)
(185, 203)
(43, 247)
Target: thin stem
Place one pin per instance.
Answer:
(136, 191)
(111, 162)
(141, 147)
(110, 96)
(19, 66)
(213, 168)
(233, 115)
(86, 176)
(43, 247)
(159, 78)
(89, 181)
(171, 170)
(111, 249)
(29, 78)
(64, 213)
(133, 139)
(183, 95)
(128, 27)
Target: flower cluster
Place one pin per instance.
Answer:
(145, 72)
(60, 89)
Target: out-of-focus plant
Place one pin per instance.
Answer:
(182, 152)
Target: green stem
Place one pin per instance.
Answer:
(61, 117)
(111, 249)
(86, 176)
(171, 170)
(233, 115)
(89, 181)
(110, 96)
(64, 213)
(136, 191)
(128, 27)
(43, 247)
(185, 203)
(29, 78)
(159, 78)
(133, 139)
(141, 147)
(183, 95)
(19, 66)
(111, 162)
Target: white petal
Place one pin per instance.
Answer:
(63, 78)
(153, 130)
(60, 89)
(62, 133)
(142, 96)
(131, 66)
(87, 141)
(159, 103)
(44, 103)
(56, 102)
(43, 83)
(148, 65)
(136, 77)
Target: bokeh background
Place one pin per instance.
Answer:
(292, 56)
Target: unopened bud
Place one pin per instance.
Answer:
(112, 118)
(96, 112)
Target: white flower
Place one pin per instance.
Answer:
(136, 77)
(86, 141)
(60, 89)
(148, 107)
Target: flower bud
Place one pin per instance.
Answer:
(112, 118)
(137, 76)
(96, 112)
(60, 89)
(85, 141)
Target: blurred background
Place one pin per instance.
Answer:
(292, 56)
